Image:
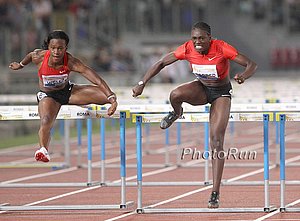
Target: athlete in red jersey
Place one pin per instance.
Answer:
(209, 60)
(54, 66)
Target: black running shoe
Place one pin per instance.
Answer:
(168, 120)
(213, 202)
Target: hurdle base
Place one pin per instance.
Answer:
(53, 166)
(67, 207)
(282, 209)
(289, 209)
(150, 165)
(207, 210)
(48, 185)
(270, 209)
(139, 211)
(94, 183)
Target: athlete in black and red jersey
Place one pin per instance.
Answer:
(54, 65)
(209, 60)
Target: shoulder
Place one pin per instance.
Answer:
(186, 45)
(182, 50)
(72, 60)
(74, 63)
(189, 45)
(38, 55)
(217, 43)
(69, 56)
(226, 49)
(220, 43)
(39, 52)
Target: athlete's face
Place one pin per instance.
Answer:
(201, 40)
(57, 49)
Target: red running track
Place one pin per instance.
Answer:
(246, 135)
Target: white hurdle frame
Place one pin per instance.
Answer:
(204, 117)
(68, 112)
(282, 118)
(235, 108)
(15, 113)
(270, 108)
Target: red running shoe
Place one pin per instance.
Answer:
(42, 155)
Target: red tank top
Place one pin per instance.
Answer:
(52, 77)
(212, 66)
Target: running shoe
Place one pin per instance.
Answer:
(42, 155)
(168, 120)
(213, 202)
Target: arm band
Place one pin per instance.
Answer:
(111, 96)
(21, 64)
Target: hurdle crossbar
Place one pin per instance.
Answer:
(66, 207)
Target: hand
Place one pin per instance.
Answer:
(239, 78)
(137, 90)
(113, 107)
(15, 66)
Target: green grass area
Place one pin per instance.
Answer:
(32, 138)
(19, 140)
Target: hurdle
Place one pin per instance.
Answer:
(282, 118)
(149, 118)
(68, 112)
(236, 108)
(30, 112)
(165, 108)
(270, 108)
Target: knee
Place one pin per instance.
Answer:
(175, 95)
(45, 121)
(216, 143)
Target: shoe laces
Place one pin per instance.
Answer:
(214, 196)
(172, 115)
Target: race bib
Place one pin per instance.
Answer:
(55, 80)
(205, 71)
(40, 95)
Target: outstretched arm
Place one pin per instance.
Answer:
(87, 72)
(35, 56)
(152, 71)
(250, 68)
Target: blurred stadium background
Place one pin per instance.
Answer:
(120, 39)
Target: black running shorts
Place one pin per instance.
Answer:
(61, 96)
(213, 93)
